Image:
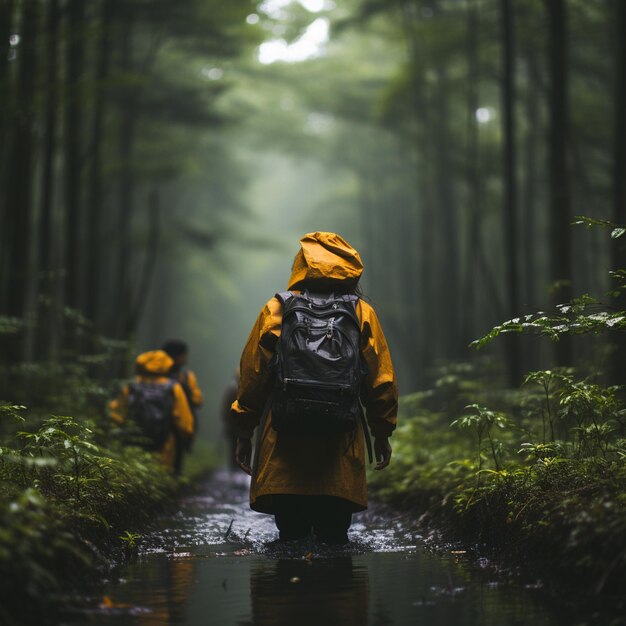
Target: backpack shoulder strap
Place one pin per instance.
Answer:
(350, 298)
(283, 296)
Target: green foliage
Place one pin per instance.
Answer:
(590, 222)
(550, 490)
(541, 480)
(130, 541)
(482, 422)
(64, 497)
(581, 316)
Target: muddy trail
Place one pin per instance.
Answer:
(217, 562)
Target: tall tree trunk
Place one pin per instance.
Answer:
(126, 185)
(531, 105)
(514, 365)
(19, 182)
(73, 146)
(45, 237)
(448, 236)
(147, 271)
(428, 315)
(560, 194)
(618, 260)
(7, 9)
(529, 238)
(92, 276)
(474, 239)
(416, 284)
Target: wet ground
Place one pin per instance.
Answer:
(217, 562)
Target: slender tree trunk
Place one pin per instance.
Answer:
(531, 268)
(147, 272)
(73, 145)
(531, 105)
(45, 237)
(416, 282)
(474, 239)
(510, 187)
(410, 286)
(19, 185)
(618, 260)
(428, 316)
(17, 217)
(560, 193)
(448, 236)
(128, 122)
(92, 276)
(7, 8)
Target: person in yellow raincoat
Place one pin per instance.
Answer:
(313, 483)
(178, 350)
(154, 367)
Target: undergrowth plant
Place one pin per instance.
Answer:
(542, 476)
(64, 500)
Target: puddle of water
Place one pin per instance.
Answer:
(215, 563)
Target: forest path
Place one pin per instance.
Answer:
(216, 562)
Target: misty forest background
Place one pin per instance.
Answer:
(159, 161)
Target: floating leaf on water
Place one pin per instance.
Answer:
(295, 580)
(106, 603)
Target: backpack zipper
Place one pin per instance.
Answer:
(314, 383)
(321, 314)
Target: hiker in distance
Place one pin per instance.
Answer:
(153, 409)
(315, 353)
(178, 351)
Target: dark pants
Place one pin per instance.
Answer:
(183, 447)
(327, 516)
(179, 452)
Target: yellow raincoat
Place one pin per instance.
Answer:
(188, 379)
(332, 466)
(154, 367)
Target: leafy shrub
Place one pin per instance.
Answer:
(542, 481)
(64, 500)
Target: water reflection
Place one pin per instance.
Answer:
(171, 586)
(153, 595)
(316, 592)
(375, 589)
(191, 574)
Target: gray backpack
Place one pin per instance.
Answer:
(150, 407)
(317, 366)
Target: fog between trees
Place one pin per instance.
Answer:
(156, 176)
